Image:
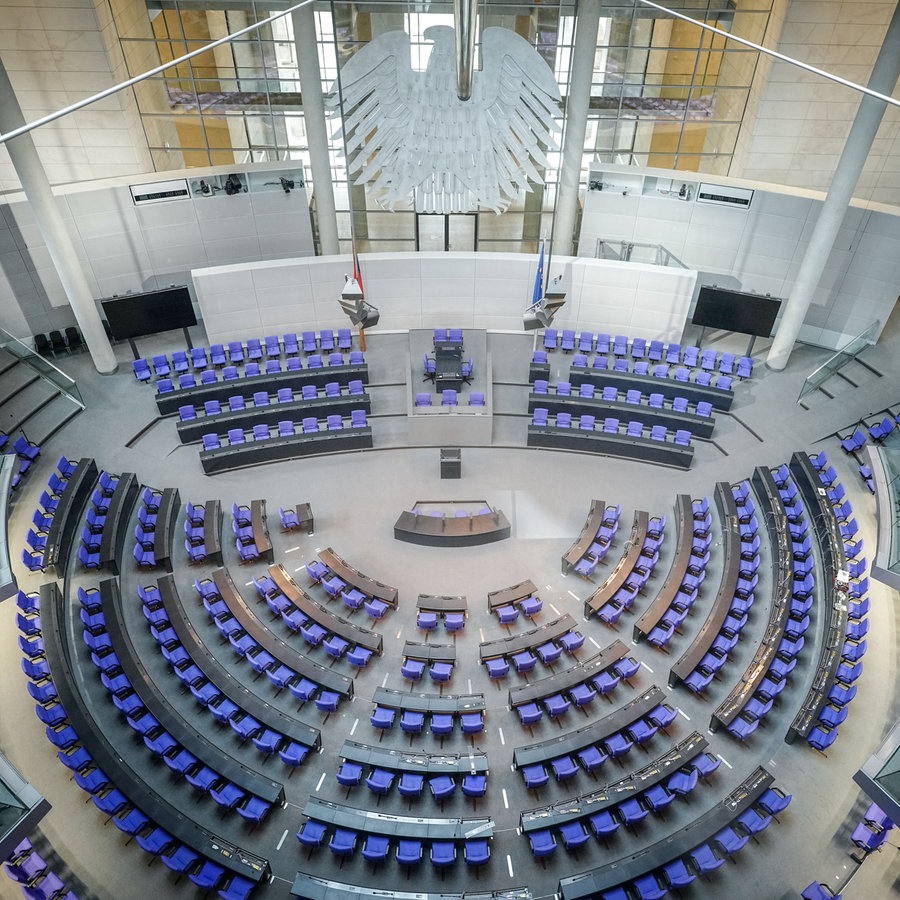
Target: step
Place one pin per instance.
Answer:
(50, 418)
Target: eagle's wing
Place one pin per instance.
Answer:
(520, 98)
(376, 84)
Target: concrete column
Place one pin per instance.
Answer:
(577, 103)
(52, 226)
(862, 133)
(304, 22)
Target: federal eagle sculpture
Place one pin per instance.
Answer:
(410, 137)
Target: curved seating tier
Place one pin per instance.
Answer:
(68, 515)
(369, 586)
(720, 398)
(311, 887)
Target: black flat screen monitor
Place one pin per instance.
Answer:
(736, 311)
(150, 312)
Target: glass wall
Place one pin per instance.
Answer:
(664, 93)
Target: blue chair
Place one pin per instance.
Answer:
(543, 844)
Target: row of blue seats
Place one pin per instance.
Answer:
(27, 867)
(127, 817)
(282, 676)
(236, 352)
(610, 394)
(529, 607)
(144, 551)
(448, 335)
(450, 397)
(525, 661)
(412, 669)
(27, 452)
(611, 425)
(380, 780)
(601, 541)
(254, 370)
(413, 722)
(33, 554)
(453, 621)
(242, 524)
(377, 848)
(337, 587)
(312, 632)
(225, 711)
(623, 599)
(877, 432)
(825, 732)
(188, 412)
(592, 756)
(581, 694)
(285, 428)
(195, 533)
(707, 857)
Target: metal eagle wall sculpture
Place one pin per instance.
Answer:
(410, 137)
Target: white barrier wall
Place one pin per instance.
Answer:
(433, 290)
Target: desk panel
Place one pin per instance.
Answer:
(527, 640)
(67, 520)
(212, 530)
(568, 678)
(118, 519)
(361, 582)
(62, 657)
(583, 542)
(429, 703)
(260, 524)
(624, 566)
(356, 634)
(510, 595)
(311, 887)
(266, 638)
(684, 529)
(169, 508)
(430, 652)
(408, 761)
(618, 445)
(8, 466)
(432, 603)
(728, 514)
(647, 384)
(451, 531)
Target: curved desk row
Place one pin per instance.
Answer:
(620, 446)
(430, 652)
(511, 595)
(834, 603)
(436, 604)
(699, 647)
(8, 467)
(408, 761)
(212, 530)
(118, 519)
(685, 839)
(624, 567)
(771, 506)
(451, 531)
(405, 701)
(701, 426)
(575, 808)
(208, 663)
(277, 449)
(268, 640)
(568, 678)
(684, 529)
(67, 520)
(598, 730)
(417, 828)
(311, 887)
(192, 430)
(647, 384)
(169, 402)
(62, 655)
(248, 779)
(582, 543)
(355, 578)
(527, 640)
(331, 622)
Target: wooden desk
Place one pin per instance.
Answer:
(356, 579)
(624, 566)
(452, 531)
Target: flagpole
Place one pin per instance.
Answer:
(357, 275)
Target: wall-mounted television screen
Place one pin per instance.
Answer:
(736, 311)
(134, 315)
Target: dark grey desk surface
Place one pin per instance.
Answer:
(245, 777)
(330, 621)
(451, 531)
(212, 529)
(430, 652)
(771, 506)
(527, 640)
(647, 384)
(208, 663)
(169, 509)
(598, 730)
(582, 543)
(67, 520)
(568, 678)
(260, 524)
(621, 446)
(310, 887)
(587, 884)
(408, 761)
(624, 566)
(611, 795)
(432, 603)
(355, 578)
(118, 518)
(833, 600)
(60, 654)
(698, 648)
(510, 595)
(266, 638)
(684, 528)
(429, 703)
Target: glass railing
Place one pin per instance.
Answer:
(631, 251)
(888, 452)
(42, 366)
(834, 364)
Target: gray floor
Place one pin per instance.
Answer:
(546, 496)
